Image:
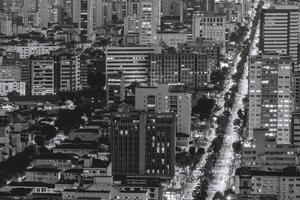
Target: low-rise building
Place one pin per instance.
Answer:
(172, 39)
(43, 173)
(37, 187)
(85, 134)
(281, 185)
(99, 188)
(264, 153)
(35, 49)
(79, 149)
(73, 174)
(8, 87)
(95, 167)
(59, 160)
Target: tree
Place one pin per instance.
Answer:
(114, 18)
(13, 94)
(45, 130)
(69, 119)
(237, 147)
(200, 152)
(18, 163)
(218, 76)
(39, 140)
(228, 192)
(237, 122)
(192, 151)
(240, 114)
(183, 159)
(96, 80)
(204, 108)
(218, 196)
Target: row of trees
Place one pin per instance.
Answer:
(16, 165)
(204, 108)
(207, 175)
(191, 158)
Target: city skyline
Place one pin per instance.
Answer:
(149, 99)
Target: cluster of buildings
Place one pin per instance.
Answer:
(158, 53)
(85, 165)
(130, 26)
(87, 19)
(39, 75)
(270, 160)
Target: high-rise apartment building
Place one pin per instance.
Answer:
(279, 31)
(212, 51)
(170, 7)
(43, 13)
(143, 144)
(296, 130)
(270, 95)
(187, 10)
(149, 20)
(30, 6)
(210, 28)
(8, 23)
(42, 76)
(166, 99)
(80, 17)
(115, 10)
(25, 73)
(67, 77)
(207, 5)
(131, 25)
(126, 65)
(190, 69)
(296, 91)
(56, 11)
(95, 17)
(133, 7)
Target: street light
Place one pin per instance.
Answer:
(228, 197)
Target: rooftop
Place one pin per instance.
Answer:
(30, 184)
(43, 168)
(82, 190)
(74, 170)
(287, 172)
(180, 134)
(76, 146)
(20, 191)
(97, 163)
(55, 156)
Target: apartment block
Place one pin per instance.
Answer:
(279, 31)
(210, 28)
(189, 69)
(124, 66)
(42, 76)
(67, 73)
(144, 144)
(270, 95)
(166, 99)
